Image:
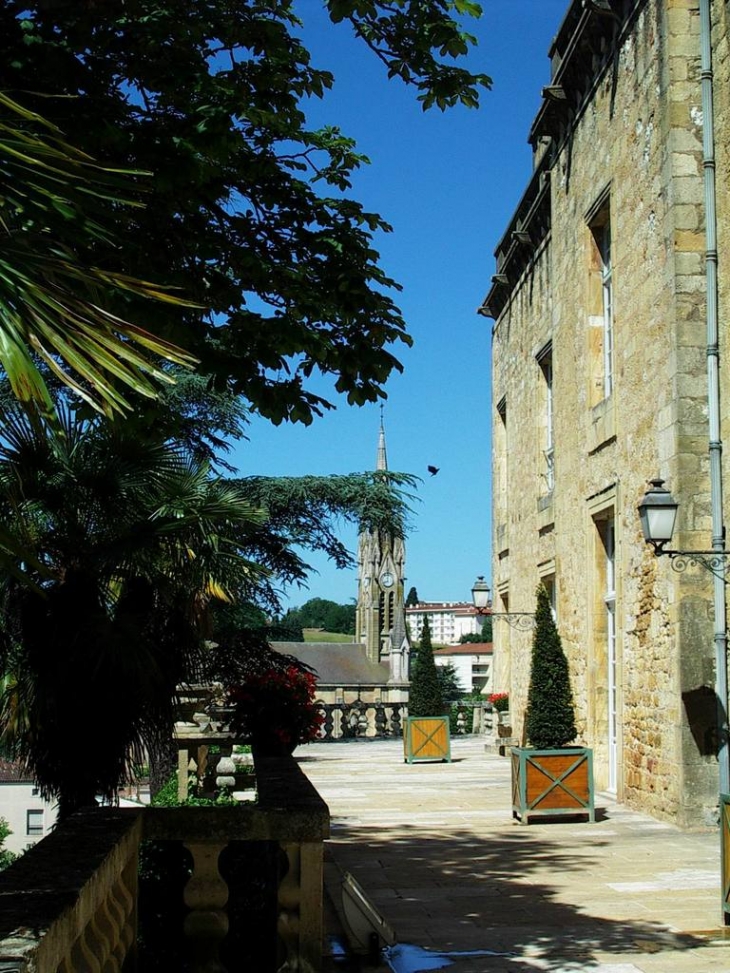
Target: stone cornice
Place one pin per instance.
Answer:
(587, 43)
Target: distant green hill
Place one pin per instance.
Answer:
(318, 635)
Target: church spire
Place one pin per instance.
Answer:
(382, 460)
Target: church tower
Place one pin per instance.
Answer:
(380, 618)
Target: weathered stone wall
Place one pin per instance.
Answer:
(639, 139)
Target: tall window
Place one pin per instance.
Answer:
(545, 361)
(548, 582)
(604, 249)
(600, 302)
(606, 633)
(500, 480)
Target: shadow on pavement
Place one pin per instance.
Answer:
(460, 892)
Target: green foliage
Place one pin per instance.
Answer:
(54, 304)
(167, 797)
(324, 614)
(127, 545)
(6, 857)
(550, 717)
(246, 210)
(478, 638)
(449, 682)
(411, 598)
(424, 696)
(247, 618)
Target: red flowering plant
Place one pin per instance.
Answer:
(499, 701)
(276, 709)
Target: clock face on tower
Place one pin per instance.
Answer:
(387, 579)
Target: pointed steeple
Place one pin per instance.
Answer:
(382, 460)
(381, 566)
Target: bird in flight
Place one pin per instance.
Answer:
(433, 470)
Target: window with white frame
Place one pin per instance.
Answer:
(34, 822)
(547, 444)
(604, 249)
(601, 301)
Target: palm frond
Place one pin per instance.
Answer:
(55, 304)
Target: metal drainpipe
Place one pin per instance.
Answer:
(713, 388)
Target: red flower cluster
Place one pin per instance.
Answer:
(500, 701)
(276, 709)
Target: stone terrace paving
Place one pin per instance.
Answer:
(467, 889)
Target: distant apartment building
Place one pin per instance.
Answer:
(29, 817)
(447, 620)
(472, 665)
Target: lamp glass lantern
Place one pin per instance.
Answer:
(658, 513)
(480, 594)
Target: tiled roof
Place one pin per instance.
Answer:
(337, 663)
(468, 648)
(13, 772)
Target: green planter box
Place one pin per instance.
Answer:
(552, 783)
(426, 738)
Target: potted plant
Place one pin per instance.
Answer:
(549, 777)
(275, 709)
(426, 729)
(500, 704)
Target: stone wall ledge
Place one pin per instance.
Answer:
(70, 902)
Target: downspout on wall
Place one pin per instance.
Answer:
(713, 389)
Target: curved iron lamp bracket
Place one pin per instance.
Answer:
(716, 562)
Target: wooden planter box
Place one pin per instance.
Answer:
(426, 738)
(725, 840)
(552, 783)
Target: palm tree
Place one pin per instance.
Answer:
(55, 305)
(132, 541)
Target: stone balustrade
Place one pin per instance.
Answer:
(362, 719)
(378, 720)
(69, 905)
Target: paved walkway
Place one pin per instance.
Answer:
(436, 850)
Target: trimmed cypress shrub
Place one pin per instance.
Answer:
(550, 717)
(424, 697)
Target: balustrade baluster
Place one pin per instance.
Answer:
(329, 721)
(381, 723)
(206, 895)
(299, 924)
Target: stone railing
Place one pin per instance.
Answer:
(378, 720)
(360, 719)
(69, 905)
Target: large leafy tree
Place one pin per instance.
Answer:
(130, 543)
(246, 210)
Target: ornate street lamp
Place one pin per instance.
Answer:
(658, 513)
(480, 590)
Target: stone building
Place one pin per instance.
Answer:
(600, 381)
(447, 620)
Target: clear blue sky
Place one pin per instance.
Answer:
(448, 184)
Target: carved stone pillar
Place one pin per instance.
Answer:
(206, 895)
(299, 924)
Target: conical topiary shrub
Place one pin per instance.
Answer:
(424, 697)
(550, 717)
